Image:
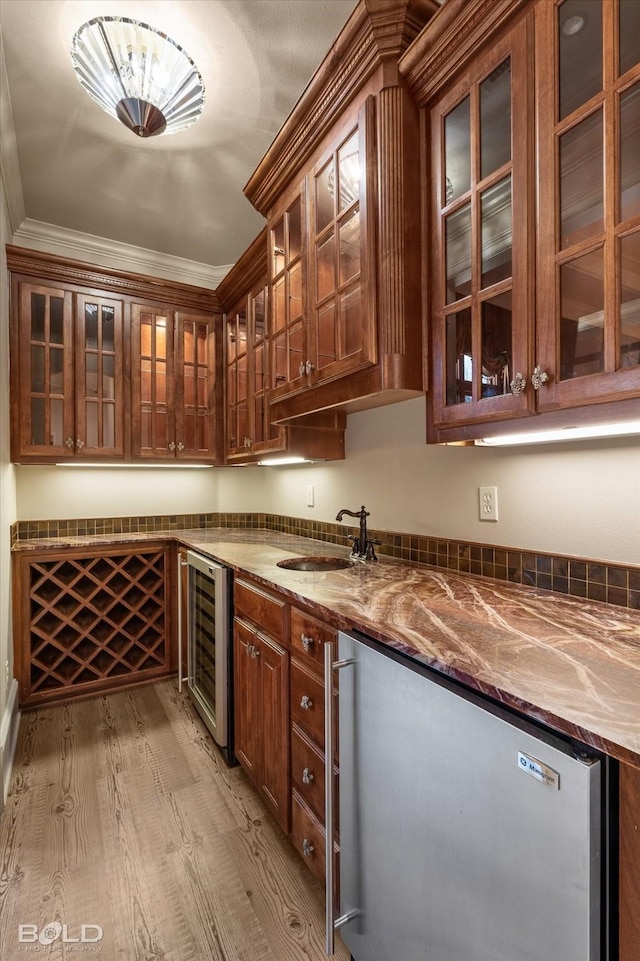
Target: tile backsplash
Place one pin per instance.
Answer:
(578, 577)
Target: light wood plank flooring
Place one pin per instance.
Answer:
(122, 814)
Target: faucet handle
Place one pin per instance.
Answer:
(356, 541)
(371, 554)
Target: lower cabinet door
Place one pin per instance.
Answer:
(247, 699)
(274, 668)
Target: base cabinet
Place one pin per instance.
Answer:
(261, 691)
(90, 621)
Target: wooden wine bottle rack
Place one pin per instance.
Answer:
(90, 621)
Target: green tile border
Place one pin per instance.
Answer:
(576, 577)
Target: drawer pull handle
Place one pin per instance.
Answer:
(306, 642)
(307, 848)
(307, 776)
(306, 702)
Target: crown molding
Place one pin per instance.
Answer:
(9, 165)
(376, 34)
(249, 270)
(103, 252)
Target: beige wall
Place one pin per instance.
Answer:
(581, 498)
(66, 492)
(7, 489)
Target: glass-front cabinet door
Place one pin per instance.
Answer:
(237, 380)
(290, 361)
(99, 380)
(47, 392)
(342, 332)
(71, 385)
(482, 314)
(153, 425)
(589, 232)
(195, 418)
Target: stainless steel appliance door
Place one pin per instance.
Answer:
(208, 642)
(464, 835)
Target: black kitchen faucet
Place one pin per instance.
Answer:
(362, 545)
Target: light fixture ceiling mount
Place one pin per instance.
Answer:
(138, 75)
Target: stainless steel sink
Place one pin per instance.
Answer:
(315, 563)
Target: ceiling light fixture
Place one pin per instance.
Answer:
(137, 75)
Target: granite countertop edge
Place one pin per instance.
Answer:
(569, 664)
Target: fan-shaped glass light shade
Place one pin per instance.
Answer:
(138, 75)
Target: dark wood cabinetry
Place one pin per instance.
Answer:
(68, 361)
(91, 620)
(308, 637)
(173, 384)
(88, 344)
(250, 433)
(339, 188)
(532, 227)
(261, 690)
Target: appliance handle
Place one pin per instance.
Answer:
(331, 922)
(181, 563)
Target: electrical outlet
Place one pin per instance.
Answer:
(310, 495)
(488, 503)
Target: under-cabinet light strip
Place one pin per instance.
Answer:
(568, 433)
(99, 466)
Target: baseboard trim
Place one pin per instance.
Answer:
(9, 737)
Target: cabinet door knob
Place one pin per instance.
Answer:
(253, 651)
(69, 442)
(307, 848)
(180, 446)
(538, 378)
(79, 444)
(307, 776)
(518, 384)
(306, 702)
(306, 642)
(308, 367)
(172, 446)
(301, 368)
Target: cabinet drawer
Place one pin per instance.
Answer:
(307, 702)
(307, 772)
(307, 775)
(307, 834)
(305, 827)
(266, 611)
(309, 635)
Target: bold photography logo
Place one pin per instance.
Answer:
(54, 931)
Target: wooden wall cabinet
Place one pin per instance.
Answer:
(339, 187)
(91, 620)
(88, 344)
(530, 185)
(261, 694)
(67, 385)
(173, 384)
(250, 434)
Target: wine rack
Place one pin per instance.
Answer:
(91, 621)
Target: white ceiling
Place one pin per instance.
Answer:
(180, 194)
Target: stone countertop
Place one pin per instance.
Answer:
(571, 664)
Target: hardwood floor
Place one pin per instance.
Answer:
(121, 814)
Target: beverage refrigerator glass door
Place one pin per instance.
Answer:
(209, 646)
